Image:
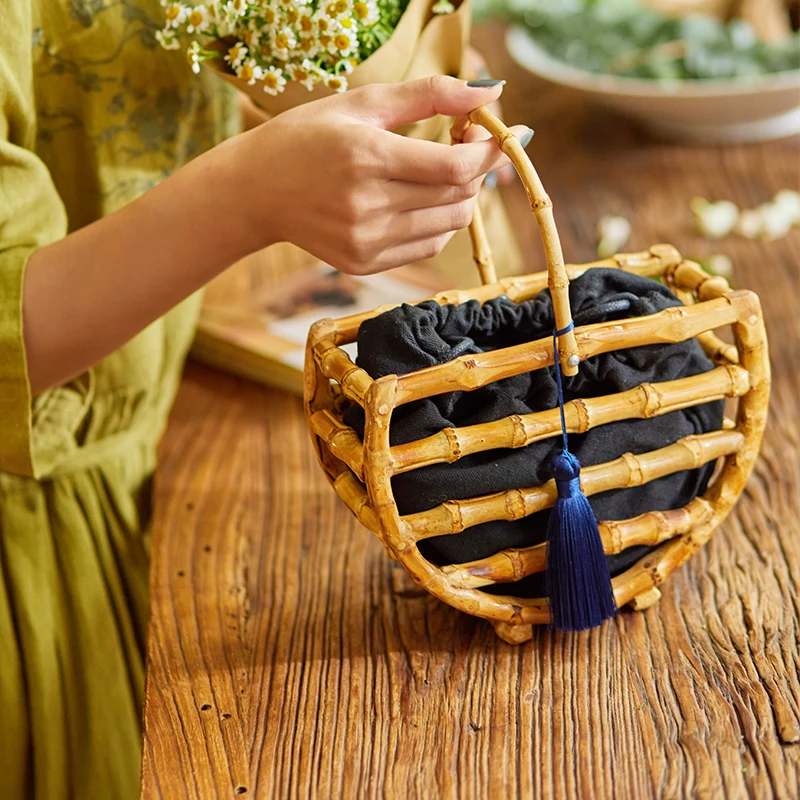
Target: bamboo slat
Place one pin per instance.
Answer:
(455, 516)
(644, 401)
(649, 529)
(473, 371)
(338, 366)
(648, 263)
(342, 440)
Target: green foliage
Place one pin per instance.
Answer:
(623, 38)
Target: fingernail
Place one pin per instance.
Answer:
(526, 137)
(491, 180)
(484, 83)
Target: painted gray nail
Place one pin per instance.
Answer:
(491, 180)
(484, 83)
(526, 137)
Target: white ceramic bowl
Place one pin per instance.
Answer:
(712, 111)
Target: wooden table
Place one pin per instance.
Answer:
(290, 657)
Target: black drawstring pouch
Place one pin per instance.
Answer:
(409, 338)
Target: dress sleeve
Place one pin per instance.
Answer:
(31, 216)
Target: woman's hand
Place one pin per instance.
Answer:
(330, 177)
(327, 176)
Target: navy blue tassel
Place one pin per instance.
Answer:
(578, 581)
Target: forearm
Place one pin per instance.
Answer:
(89, 293)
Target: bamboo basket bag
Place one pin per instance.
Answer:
(361, 471)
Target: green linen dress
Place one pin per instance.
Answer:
(92, 113)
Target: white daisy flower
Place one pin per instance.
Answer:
(305, 19)
(167, 39)
(176, 14)
(366, 12)
(614, 232)
(249, 72)
(338, 83)
(193, 56)
(715, 220)
(343, 43)
(335, 8)
(236, 54)
(306, 74)
(197, 19)
(235, 8)
(283, 41)
(443, 7)
(789, 200)
(273, 81)
(323, 22)
(308, 46)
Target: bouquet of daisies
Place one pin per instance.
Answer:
(271, 48)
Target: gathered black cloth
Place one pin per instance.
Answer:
(409, 338)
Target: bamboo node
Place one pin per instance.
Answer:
(634, 468)
(740, 380)
(645, 599)
(518, 435)
(583, 421)
(453, 443)
(666, 253)
(515, 504)
(653, 400)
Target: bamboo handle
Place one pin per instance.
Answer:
(542, 208)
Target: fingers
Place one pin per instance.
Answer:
(407, 253)
(426, 223)
(417, 161)
(403, 196)
(391, 105)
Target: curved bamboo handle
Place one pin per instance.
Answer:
(542, 208)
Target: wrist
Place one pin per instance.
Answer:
(242, 210)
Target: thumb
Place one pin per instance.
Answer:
(391, 105)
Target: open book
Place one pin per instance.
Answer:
(264, 338)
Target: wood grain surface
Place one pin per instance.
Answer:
(289, 657)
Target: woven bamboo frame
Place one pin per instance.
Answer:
(361, 472)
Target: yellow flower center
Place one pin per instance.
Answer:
(306, 44)
(300, 74)
(195, 18)
(271, 80)
(247, 37)
(292, 15)
(341, 6)
(324, 39)
(305, 24)
(334, 83)
(246, 72)
(281, 41)
(269, 16)
(212, 10)
(360, 9)
(346, 22)
(322, 24)
(331, 9)
(342, 41)
(172, 12)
